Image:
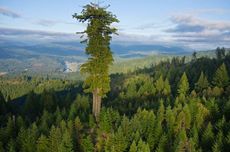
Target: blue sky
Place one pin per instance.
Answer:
(198, 24)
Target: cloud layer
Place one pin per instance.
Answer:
(9, 13)
(197, 32)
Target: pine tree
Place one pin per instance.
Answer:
(43, 144)
(183, 85)
(167, 88)
(2, 104)
(11, 146)
(221, 78)
(170, 120)
(32, 106)
(142, 146)
(182, 143)
(87, 144)
(218, 145)
(1, 147)
(98, 40)
(66, 143)
(159, 85)
(27, 140)
(202, 82)
(55, 139)
(10, 128)
(133, 147)
(220, 53)
(207, 137)
(162, 144)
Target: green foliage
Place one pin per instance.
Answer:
(55, 139)
(98, 40)
(2, 104)
(143, 112)
(202, 82)
(133, 147)
(66, 143)
(218, 145)
(183, 85)
(117, 142)
(43, 144)
(142, 146)
(220, 53)
(207, 137)
(87, 145)
(221, 78)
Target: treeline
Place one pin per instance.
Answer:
(173, 106)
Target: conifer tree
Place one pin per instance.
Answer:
(1, 146)
(142, 146)
(98, 48)
(133, 147)
(221, 78)
(218, 145)
(42, 144)
(11, 147)
(162, 144)
(183, 85)
(159, 85)
(55, 139)
(220, 53)
(87, 144)
(66, 143)
(2, 104)
(202, 82)
(182, 143)
(207, 137)
(167, 88)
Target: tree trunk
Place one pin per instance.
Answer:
(96, 103)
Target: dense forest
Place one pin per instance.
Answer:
(172, 106)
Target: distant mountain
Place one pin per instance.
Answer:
(50, 57)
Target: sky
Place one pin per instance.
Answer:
(198, 24)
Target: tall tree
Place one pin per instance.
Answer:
(98, 39)
(221, 78)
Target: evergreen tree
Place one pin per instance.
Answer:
(207, 138)
(220, 53)
(133, 147)
(32, 106)
(183, 85)
(142, 146)
(27, 140)
(182, 142)
(55, 139)
(218, 145)
(11, 146)
(99, 36)
(66, 143)
(159, 85)
(87, 144)
(43, 144)
(1, 147)
(202, 82)
(167, 88)
(2, 104)
(162, 144)
(221, 78)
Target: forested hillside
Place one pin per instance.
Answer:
(172, 106)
